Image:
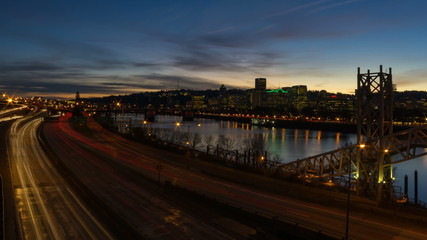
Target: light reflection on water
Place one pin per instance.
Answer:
(290, 144)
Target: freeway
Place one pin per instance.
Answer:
(132, 202)
(12, 113)
(145, 160)
(47, 208)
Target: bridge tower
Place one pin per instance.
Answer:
(374, 121)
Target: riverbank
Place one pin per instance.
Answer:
(331, 126)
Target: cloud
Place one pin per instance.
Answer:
(28, 67)
(221, 30)
(297, 8)
(58, 49)
(323, 8)
(200, 55)
(414, 79)
(166, 81)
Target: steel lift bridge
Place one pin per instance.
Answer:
(369, 163)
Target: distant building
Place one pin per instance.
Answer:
(198, 102)
(297, 95)
(260, 83)
(222, 91)
(77, 96)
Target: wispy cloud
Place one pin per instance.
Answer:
(412, 79)
(167, 81)
(221, 30)
(204, 58)
(323, 8)
(294, 9)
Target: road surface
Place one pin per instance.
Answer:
(46, 206)
(149, 216)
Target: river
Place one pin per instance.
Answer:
(289, 144)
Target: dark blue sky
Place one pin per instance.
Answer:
(55, 48)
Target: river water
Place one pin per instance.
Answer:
(289, 144)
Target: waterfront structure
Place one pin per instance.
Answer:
(294, 101)
(374, 122)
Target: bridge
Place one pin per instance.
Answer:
(361, 160)
(368, 163)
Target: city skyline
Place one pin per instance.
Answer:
(107, 48)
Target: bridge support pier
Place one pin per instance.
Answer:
(374, 122)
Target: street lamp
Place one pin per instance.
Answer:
(360, 153)
(147, 127)
(347, 222)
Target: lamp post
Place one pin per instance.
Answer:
(347, 222)
(358, 162)
(117, 105)
(147, 128)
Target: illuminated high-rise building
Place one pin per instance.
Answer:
(260, 83)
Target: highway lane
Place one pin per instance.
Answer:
(12, 113)
(11, 110)
(149, 215)
(47, 207)
(144, 159)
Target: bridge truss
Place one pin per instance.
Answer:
(369, 162)
(361, 161)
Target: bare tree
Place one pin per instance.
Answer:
(209, 140)
(273, 162)
(195, 140)
(256, 143)
(225, 145)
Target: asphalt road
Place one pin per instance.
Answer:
(46, 206)
(10, 223)
(11, 229)
(150, 216)
(147, 161)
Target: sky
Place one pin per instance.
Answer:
(54, 48)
